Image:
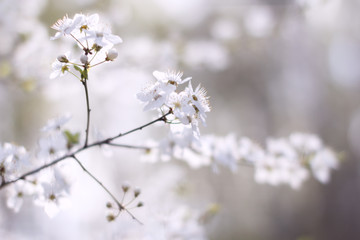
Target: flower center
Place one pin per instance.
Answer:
(52, 197)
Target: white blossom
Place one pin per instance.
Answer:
(322, 163)
(20, 159)
(88, 22)
(153, 96)
(180, 104)
(306, 143)
(56, 123)
(86, 31)
(199, 101)
(111, 55)
(60, 68)
(13, 160)
(66, 25)
(182, 223)
(281, 148)
(16, 194)
(187, 106)
(225, 153)
(52, 146)
(250, 151)
(171, 79)
(53, 200)
(101, 36)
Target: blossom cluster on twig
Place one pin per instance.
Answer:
(189, 106)
(283, 161)
(39, 175)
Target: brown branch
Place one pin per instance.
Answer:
(128, 146)
(70, 155)
(84, 82)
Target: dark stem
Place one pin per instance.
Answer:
(121, 207)
(127, 146)
(162, 118)
(98, 63)
(84, 48)
(70, 155)
(84, 82)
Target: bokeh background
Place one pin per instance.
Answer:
(271, 68)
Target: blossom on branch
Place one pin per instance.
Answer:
(13, 160)
(56, 123)
(53, 199)
(91, 36)
(66, 26)
(284, 161)
(187, 106)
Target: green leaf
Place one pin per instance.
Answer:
(72, 138)
(78, 69)
(84, 74)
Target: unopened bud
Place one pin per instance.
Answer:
(110, 217)
(140, 204)
(63, 59)
(84, 59)
(108, 205)
(137, 192)
(125, 187)
(111, 55)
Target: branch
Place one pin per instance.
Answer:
(5, 183)
(84, 82)
(121, 207)
(77, 40)
(127, 146)
(70, 155)
(162, 118)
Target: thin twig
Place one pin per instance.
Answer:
(74, 75)
(84, 82)
(3, 184)
(69, 155)
(127, 146)
(97, 63)
(78, 41)
(121, 207)
(93, 57)
(162, 118)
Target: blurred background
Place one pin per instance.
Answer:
(271, 68)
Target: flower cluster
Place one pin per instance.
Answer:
(283, 161)
(13, 160)
(291, 160)
(41, 176)
(91, 36)
(115, 208)
(49, 188)
(188, 107)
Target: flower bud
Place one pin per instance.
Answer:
(62, 58)
(140, 204)
(111, 217)
(111, 55)
(125, 187)
(84, 59)
(137, 192)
